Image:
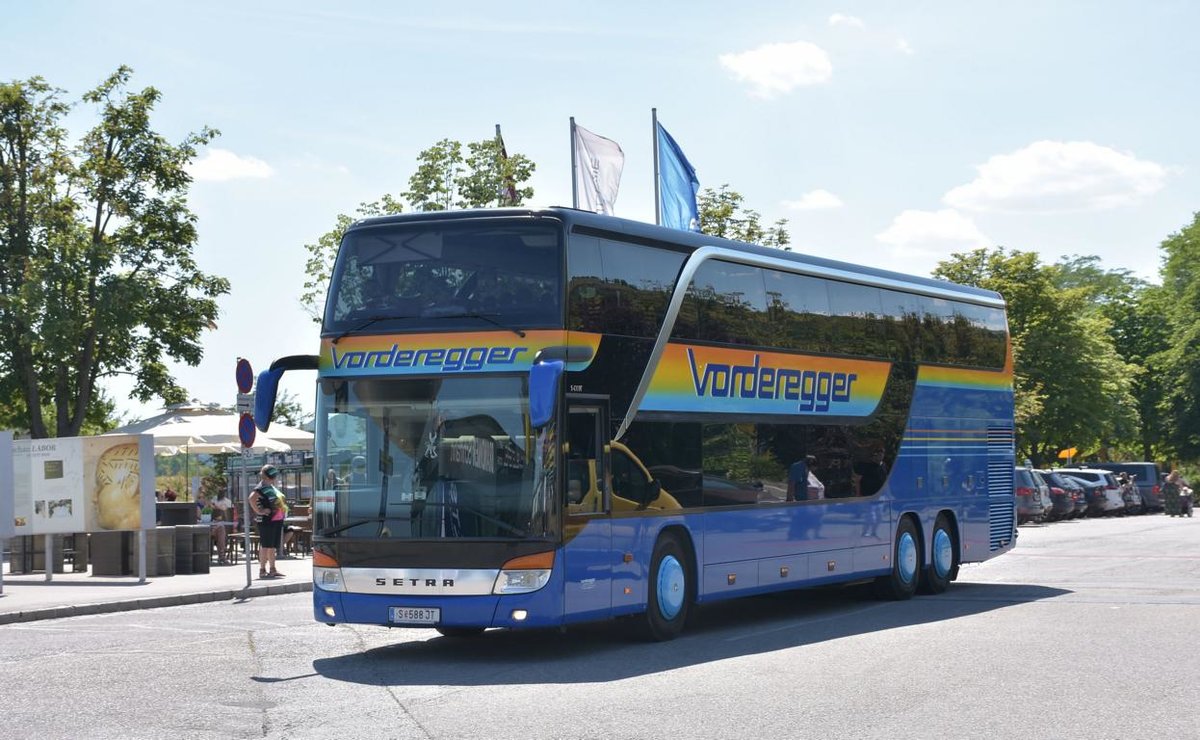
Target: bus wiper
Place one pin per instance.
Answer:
(344, 527)
(371, 320)
(515, 530)
(481, 316)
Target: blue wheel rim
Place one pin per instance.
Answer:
(906, 557)
(943, 553)
(670, 587)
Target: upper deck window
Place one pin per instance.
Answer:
(440, 275)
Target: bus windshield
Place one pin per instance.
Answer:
(428, 458)
(437, 275)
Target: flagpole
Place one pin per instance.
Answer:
(574, 174)
(500, 185)
(654, 135)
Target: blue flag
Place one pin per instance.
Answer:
(677, 185)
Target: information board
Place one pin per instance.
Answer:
(83, 484)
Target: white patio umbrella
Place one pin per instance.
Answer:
(198, 430)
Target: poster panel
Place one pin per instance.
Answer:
(83, 484)
(48, 478)
(7, 495)
(118, 482)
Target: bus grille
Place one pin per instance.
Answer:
(1001, 503)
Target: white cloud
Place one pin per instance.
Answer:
(903, 47)
(837, 19)
(1057, 176)
(933, 233)
(773, 69)
(218, 165)
(814, 200)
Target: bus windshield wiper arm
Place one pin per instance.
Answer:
(368, 321)
(482, 317)
(344, 527)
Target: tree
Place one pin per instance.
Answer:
(1072, 389)
(1181, 360)
(1138, 325)
(492, 177)
(722, 214)
(434, 186)
(96, 270)
(488, 177)
(321, 253)
(290, 411)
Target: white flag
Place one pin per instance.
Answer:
(598, 165)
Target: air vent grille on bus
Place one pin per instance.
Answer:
(1001, 504)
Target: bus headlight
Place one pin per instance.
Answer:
(328, 579)
(524, 574)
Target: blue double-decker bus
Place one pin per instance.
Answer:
(532, 418)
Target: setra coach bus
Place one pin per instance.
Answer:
(531, 418)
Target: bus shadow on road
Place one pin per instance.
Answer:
(602, 652)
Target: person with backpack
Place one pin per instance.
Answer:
(269, 506)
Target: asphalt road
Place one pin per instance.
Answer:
(1086, 630)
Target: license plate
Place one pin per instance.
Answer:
(415, 615)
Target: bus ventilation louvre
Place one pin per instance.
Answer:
(1001, 506)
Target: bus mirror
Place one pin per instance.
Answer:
(268, 385)
(264, 397)
(543, 389)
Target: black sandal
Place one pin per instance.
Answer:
(263, 574)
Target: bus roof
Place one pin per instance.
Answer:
(661, 235)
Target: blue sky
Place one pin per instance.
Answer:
(889, 134)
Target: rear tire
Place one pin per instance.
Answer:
(670, 595)
(943, 558)
(902, 582)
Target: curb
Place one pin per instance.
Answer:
(112, 607)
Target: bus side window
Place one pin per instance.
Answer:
(627, 480)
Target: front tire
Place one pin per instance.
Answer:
(902, 582)
(670, 596)
(943, 558)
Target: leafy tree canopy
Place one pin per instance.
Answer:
(97, 276)
(1072, 387)
(723, 214)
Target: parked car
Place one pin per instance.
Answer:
(1078, 493)
(1147, 475)
(1113, 502)
(1067, 495)
(1131, 494)
(1033, 496)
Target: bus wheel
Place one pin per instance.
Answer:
(459, 631)
(669, 599)
(943, 561)
(902, 582)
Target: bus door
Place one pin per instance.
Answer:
(587, 551)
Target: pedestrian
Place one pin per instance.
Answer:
(221, 514)
(268, 504)
(1173, 493)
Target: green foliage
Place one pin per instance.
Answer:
(1072, 388)
(444, 179)
(321, 253)
(290, 411)
(1180, 361)
(434, 186)
(96, 267)
(491, 178)
(722, 214)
